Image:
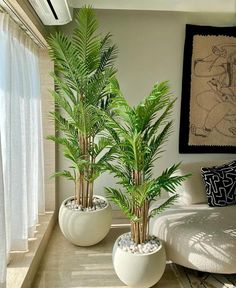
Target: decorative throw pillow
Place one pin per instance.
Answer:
(220, 183)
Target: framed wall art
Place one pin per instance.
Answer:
(208, 104)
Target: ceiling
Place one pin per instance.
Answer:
(223, 6)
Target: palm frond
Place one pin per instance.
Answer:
(164, 206)
(97, 148)
(64, 89)
(106, 42)
(140, 193)
(86, 40)
(121, 110)
(87, 119)
(119, 106)
(102, 161)
(107, 58)
(64, 55)
(61, 102)
(161, 120)
(64, 125)
(115, 127)
(155, 147)
(71, 148)
(65, 141)
(97, 86)
(65, 173)
(153, 103)
(168, 180)
(117, 197)
(124, 177)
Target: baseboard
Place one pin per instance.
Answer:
(119, 219)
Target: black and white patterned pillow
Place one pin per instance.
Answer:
(220, 183)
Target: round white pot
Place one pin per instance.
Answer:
(139, 270)
(84, 228)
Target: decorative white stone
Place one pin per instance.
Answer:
(98, 203)
(135, 269)
(149, 246)
(85, 228)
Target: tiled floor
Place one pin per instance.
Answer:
(66, 265)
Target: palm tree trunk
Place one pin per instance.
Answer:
(139, 229)
(136, 233)
(91, 171)
(145, 220)
(132, 230)
(91, 194)
(81, 176)
(86, 148)
(140, 213)
(75, 193)
(84, 181)
(84, 175)
(78, 191)
(82, 188)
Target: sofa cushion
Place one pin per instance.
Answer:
(198, 236)
(192, 190)
(220, 184)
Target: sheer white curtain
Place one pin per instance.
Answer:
(21, 134)
(2, 228)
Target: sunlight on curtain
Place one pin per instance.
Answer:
(21, 132)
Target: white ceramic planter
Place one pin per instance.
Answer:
(139, 270)
(84, 228)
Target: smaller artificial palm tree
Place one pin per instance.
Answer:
(138, 135)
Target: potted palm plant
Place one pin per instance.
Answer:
(83, 68)
(138, 135)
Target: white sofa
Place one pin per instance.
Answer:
(195, 235)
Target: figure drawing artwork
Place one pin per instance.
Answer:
(208, 106)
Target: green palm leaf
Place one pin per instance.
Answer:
(65, 91)
(168, 180)
(122, 202)
(64, 173)
(64, 55)
(87, 42)
(163, 206)
(154, 148)
(153, 103)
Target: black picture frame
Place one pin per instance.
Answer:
(185, 131)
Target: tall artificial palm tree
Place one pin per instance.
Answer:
(83, 69)
(138, 135)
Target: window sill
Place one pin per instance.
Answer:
(23, 266)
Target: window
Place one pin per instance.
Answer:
(21, 138)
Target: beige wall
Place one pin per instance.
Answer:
(151, 49)
(47, 84)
